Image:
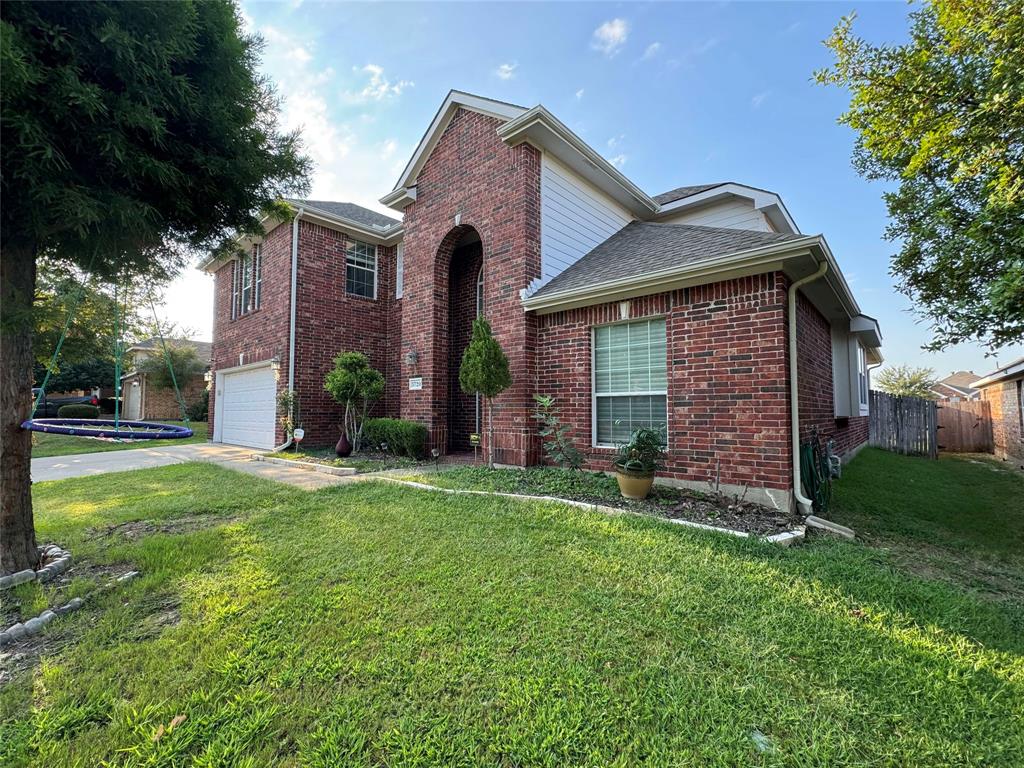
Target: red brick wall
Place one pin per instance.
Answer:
(466, 263)
(495, 190)
(815, 383)
(161, 404)
(263, 333)
(1005, 400)
(727, 392)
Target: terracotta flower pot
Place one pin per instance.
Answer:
(634, 486)
(344, 447)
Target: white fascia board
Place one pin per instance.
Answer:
(769, 203)
(542, 129)
(381, 236)
(453, 101)
(400, 198)
(1006, 372)
(753, 261)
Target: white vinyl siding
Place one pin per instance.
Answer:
(630, 379)
(361, 269)
(728, 214)
(574, 217)
(399, 272)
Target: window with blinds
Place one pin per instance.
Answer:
(630, 380)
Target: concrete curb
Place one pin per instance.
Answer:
(783, 539)
(308, 466)
(828, 525)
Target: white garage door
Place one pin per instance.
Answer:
(247, 408)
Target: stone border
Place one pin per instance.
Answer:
(783, 539)
(309, 466)
(61, 562)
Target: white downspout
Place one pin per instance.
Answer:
(804, 504)
(291, 314)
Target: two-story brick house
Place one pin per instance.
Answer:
(703, 310)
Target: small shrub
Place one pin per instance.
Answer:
(199, 410)
(396, 436)
(558, 446)
(642, 454)
(355, 385)
(78, 411)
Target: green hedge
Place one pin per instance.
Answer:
(397, 436)
(78, 411)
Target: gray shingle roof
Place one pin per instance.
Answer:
(641, 247)
(350, 211)
(680, 192)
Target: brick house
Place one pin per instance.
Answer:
(704, 310)
(1003, 390)
(957, 387)
(144, 401)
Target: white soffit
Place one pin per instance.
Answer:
(769, 203)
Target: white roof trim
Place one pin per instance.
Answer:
(452, 103)
(541, 128)
(1007, 371)
(767, 202)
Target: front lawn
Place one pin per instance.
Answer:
(372, 624)
(44, 445)
(960, 519)
(361, 462)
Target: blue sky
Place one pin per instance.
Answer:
(673, 94)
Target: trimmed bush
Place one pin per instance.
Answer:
(397, 436)
(78, 411)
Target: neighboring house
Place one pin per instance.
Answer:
(142, 401)
(670, 311)
(1003, 389)
(957, 387)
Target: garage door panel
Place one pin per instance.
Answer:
(248, 408)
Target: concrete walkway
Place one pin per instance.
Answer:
(228, 456)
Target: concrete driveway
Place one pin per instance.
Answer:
(229, 456)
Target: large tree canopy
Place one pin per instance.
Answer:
(132, 134)
(943, 117)
(907, 381)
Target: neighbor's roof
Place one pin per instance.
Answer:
(642, 246)
(960, 379)
(1009, 371)
(349, 211)
(680, 192)
(203, 349)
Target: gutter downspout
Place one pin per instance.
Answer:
(803, 503)
(291, 314)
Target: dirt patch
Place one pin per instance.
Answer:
(137, 529)
(738, 516)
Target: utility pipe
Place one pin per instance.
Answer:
(291, 315)
(804, 504)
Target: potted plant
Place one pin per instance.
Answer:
(637, 461)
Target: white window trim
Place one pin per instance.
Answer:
(593, 381)
(863, 383)
(245, 307)
(374, 270)
(257, 280)
(399, 271)
(234, 289)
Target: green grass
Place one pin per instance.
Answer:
(44, 445)
(358, 462)
(371, 624)
(960, 518)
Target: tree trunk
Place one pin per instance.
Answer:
(17, 528)
(490, 432)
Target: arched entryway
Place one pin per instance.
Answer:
(465, 303)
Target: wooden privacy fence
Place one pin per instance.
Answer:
(966, 427)
(907, 425)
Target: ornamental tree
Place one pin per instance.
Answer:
(906, 381)
(484, 371)
(357, 386)
(133, 134)
(942, 118)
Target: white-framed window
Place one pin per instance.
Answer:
(862, 379)
(236, 276)
(399, 272)
(257, 257)
(361, 269)
(630, 380)
(245, 292)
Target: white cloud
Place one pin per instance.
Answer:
(651, 51)
(615, 141)
(378, 87)
(507, 71)
(618, 161)
(387, 149)
(706, 46)
(579, 94)
(610, 37)
(759, 98)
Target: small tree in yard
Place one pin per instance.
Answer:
(906, 381)
(183, 360)
(357, 386)
(558, 446)
(134, 135)
(485, 372)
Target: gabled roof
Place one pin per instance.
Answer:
(643, 247)
(960, 380)
(349, 211)
(680, 192)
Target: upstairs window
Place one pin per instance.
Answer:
(245, 292)
(236, 276)
(630, 380)
(361, 270)
(257, 257)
